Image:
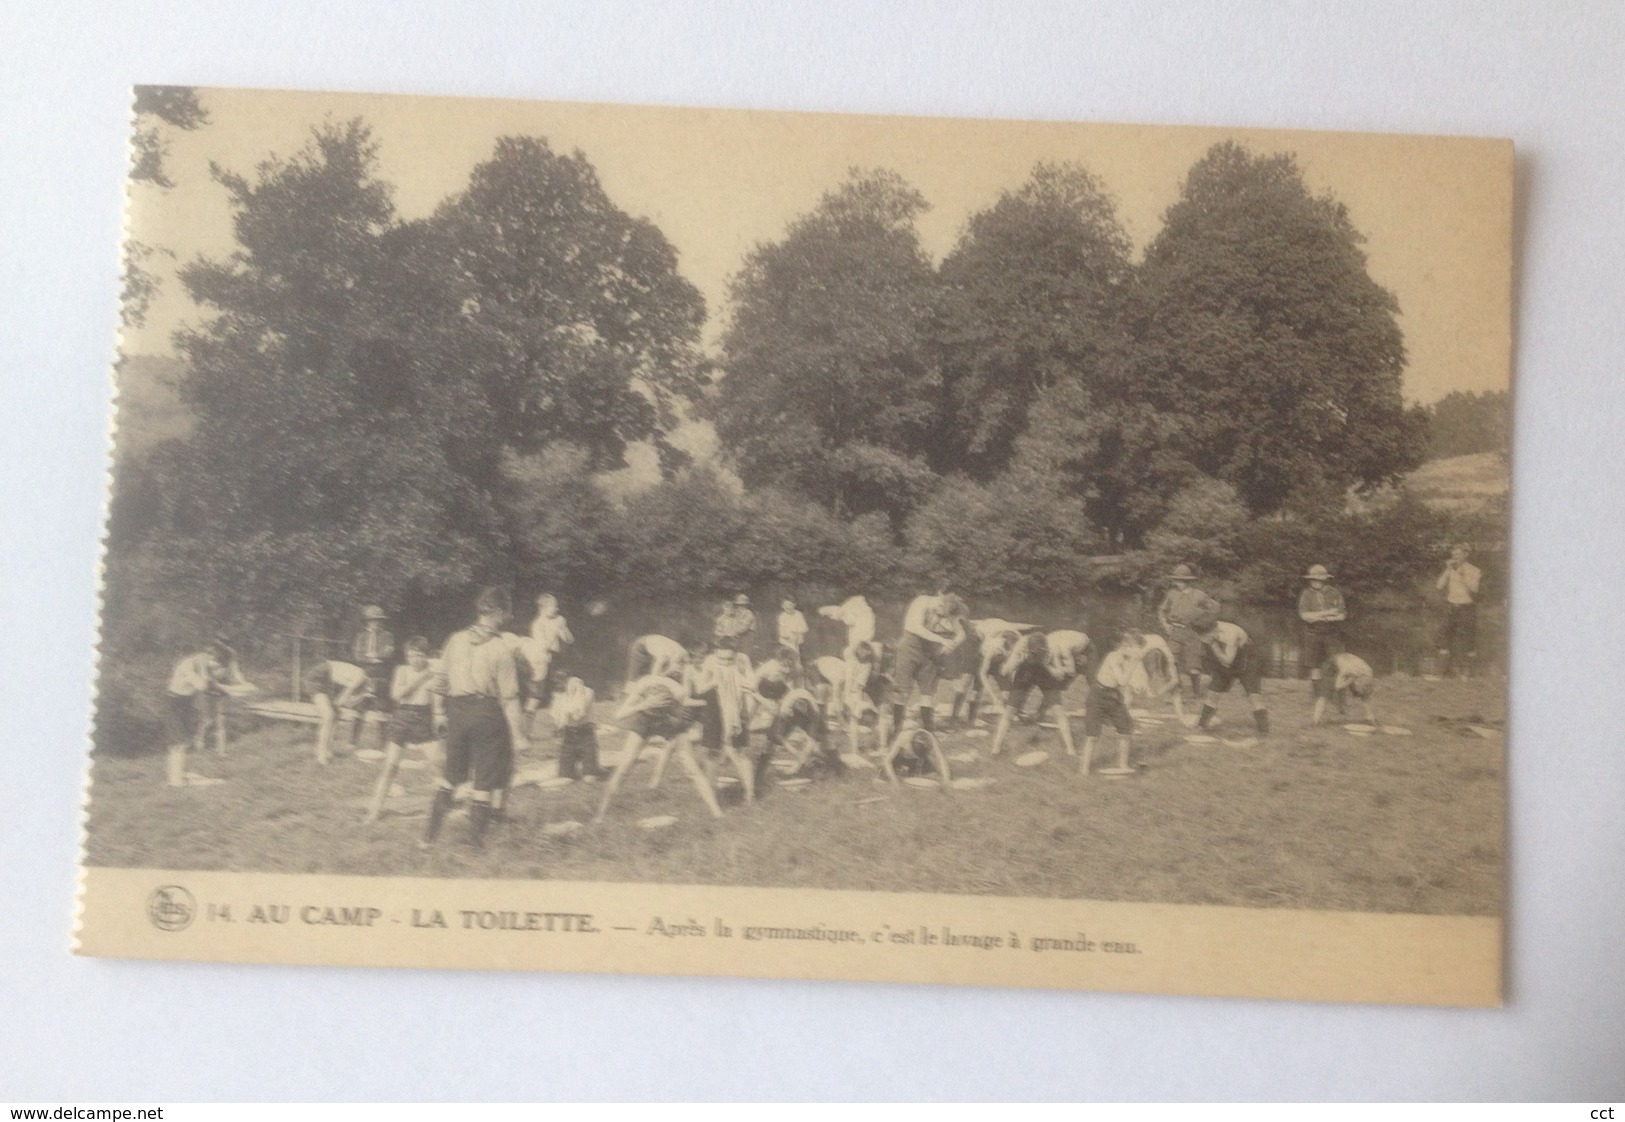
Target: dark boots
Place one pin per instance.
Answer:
(1262, 718)
(479, 819)
(1208, 713)
(437, 813)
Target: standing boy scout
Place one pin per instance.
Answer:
(1322, 612)
(1459, 583)
(484, 722)
(1186, 613)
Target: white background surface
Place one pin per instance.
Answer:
(1548, 75)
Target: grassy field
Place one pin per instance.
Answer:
(1310, 818)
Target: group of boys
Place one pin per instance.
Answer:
(476, 696)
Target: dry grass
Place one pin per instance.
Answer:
(1312, 818)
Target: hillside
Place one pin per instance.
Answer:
(1461, 482)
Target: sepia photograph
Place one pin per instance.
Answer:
(881, 543)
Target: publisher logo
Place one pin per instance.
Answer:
(171, 908)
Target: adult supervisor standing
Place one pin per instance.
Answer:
(483, 717)
(1322, 612)
(1186, 614)
(1459, 583)
(374, 651)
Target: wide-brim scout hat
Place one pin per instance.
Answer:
(1182, 572)
(373, 611)
(1317, 572)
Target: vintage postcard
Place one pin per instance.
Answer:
(600, 538)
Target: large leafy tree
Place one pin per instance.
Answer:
(829, 388)
(1033, 296)
(338, 452)
(582, 326)
(1264, 327)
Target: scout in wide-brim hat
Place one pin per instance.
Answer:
(1317, 572)
(373, 611)
(1182, 572)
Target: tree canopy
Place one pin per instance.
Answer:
(373, 397)
(1033, 296)
(828, 386)
(585, 328)
(1263, 326)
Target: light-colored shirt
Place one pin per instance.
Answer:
(1185, 606)
(735, 622)
(858, 617)
(1321, 605)
(480, 663)
(572, 705)
(1460, 583)
(792, 629)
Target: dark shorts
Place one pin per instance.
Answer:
(1035, 676)
(1248, 669)
(1460, 635)
(712, 726)
(1188, 648)
(1107, 704)
(1321, 643)
(808, 721)
(411, 724)
(773, 691)
(378, 675)
(918, 665)
(668, 722)
(963, 659)
(182, 717)
(478, 746)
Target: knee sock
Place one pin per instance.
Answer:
(437, 812)
(1262, 718)
(928, 718)
(479, 817)
(970, 711)
(897, 711)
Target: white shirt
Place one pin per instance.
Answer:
(1460, 583)
(572, 705)
(792, 629)
(858, 616)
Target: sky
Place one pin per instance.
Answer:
(1436, 211)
